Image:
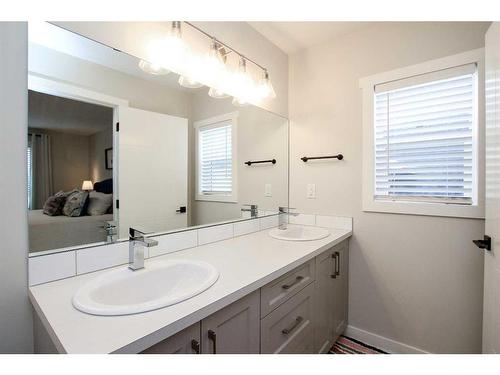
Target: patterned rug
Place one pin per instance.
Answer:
(347, 345)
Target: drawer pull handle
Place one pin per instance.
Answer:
(295, 324)
(337, 264)
(213, 337)
(195, 345)
(298, 279)
(334, 274)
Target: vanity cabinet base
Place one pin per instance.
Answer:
(301, 312)
(186, 341)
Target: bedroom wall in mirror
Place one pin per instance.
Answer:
(113, 146)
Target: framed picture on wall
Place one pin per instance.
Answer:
(108, 155)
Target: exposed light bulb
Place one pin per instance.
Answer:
(215, 71)
(242, 84)
(167, 53)
(153, 68)
(266, 89)
(189, 83)
(176, 31)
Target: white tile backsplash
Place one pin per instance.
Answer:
(57, 266)
(269, 222)
(302, 219)
(246, 227)
(97, 258)
(337, 222)
(51, 267)
(215, 233)
(174, 242)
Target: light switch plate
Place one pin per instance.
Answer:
(268, 190)
(311, 191)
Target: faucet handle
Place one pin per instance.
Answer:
(135, 233)
(285, 210)
(252, 206)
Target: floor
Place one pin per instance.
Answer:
(347, 345)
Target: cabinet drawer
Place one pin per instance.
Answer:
(289, 328)
(280, 290)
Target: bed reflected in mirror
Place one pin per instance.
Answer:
(70, 184)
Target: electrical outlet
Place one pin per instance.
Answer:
(311, 191)
(268, 188)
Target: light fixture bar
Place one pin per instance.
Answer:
(224, 44)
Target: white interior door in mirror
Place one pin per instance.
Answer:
(152, 171)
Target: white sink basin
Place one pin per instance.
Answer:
(299, 233)
(161, 283)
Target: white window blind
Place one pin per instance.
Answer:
(215, 159)
(30, 176)
(424, 137)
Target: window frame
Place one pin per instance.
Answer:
(415, 207)
(228, 117)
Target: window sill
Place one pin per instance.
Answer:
(216, 198)
(424, 209)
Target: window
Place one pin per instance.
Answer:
(215, 145)
(424, 141)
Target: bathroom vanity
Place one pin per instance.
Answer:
(272, 296)
(203, 176)
(303, 311)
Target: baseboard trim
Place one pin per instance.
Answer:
(381, 342)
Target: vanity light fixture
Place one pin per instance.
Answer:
(212, 69)
(216, 67)
(165, 54)
(242, 84)
(189, 83)
(217, 94)
(266, 87)
(153, 68)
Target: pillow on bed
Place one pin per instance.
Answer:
(99, 203)
(54, 205)
(105, 186)
(75, 203)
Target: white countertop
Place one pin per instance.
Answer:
(245, 264)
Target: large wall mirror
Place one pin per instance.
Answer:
(113, 146)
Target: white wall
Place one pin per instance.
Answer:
(99, 142)
(414, 279)
(260, 135)
(16, 325)
(108, 81)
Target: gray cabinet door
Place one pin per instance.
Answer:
(235, 329)
(289, 328)
(324, 302)
(186, 341)
(341, 288)
(331, 296)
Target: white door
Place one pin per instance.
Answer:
(152, 171)
(491, 313)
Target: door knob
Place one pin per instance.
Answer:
(181, 210)
(484, 243)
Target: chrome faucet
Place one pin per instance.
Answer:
(254, 210)
(284, 212)
(137, 242)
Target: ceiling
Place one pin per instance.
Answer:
(291, 37)
(66, 115)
